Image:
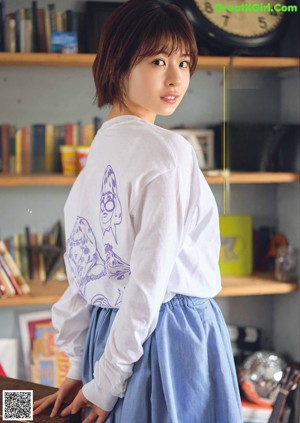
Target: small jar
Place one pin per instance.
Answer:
(286, 263)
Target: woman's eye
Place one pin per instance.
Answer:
(158, 62)
(185, 64)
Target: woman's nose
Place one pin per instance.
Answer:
(173, 77)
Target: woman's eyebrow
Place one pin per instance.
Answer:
(167, 53)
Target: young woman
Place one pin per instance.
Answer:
(147, 344)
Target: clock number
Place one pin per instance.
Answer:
(226, 19)
(208, 7)
(262, 23)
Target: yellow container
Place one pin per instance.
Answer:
(69, 160)
(236, 256)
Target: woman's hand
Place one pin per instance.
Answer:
(66, 393)
(96, 415)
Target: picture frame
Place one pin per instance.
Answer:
(27, 324)
(202, 141)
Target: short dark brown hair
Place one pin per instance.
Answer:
(138, 29)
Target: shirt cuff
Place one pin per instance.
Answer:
(75, 368)
(97, 396)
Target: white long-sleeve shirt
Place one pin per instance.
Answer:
(141, 226)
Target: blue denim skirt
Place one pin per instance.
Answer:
(187, 372)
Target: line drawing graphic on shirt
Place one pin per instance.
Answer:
(119, 300)
(84, 258)
(116, 267)
(110, 205)
(100, 301)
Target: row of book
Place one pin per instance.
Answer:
(31, 256)
(30, 29)
(36, 148)
(12, 281)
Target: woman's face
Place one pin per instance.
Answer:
(156, 85)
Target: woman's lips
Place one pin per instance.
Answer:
(170, 99)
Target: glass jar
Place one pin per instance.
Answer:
(286, 263)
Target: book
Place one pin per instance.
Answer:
(10, 276)
(28, 251)
(13, 268)
(6, 283)
(18, 144)
(51, 9)
(41, 30)
(10, 33)
(2, 32)
(38, 148)
(47, 31)
(28, 30)
(35, 34)
(5, 147)
(26, 150)
(12, 149)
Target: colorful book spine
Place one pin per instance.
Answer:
(8, 286)
(49, 149)
(38, 148)
(10, 276)
(2, 20)
(19, 151)
(12, 149)
(5, 147)
(15, 270)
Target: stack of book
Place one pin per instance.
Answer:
(31, 29)
(35, 149)
(11, 280)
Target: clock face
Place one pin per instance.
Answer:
(257, 22)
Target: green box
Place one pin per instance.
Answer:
(236, 255)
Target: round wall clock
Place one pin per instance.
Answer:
(244, 24)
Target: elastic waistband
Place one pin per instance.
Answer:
(177, 300)
(185, 300)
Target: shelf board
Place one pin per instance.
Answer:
(257, 284)
(212, 177)
(47, 60)
(39, 295)
(204, 62)
(219, 177)
(36, 180)
(233, 286)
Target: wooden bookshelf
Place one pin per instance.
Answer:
(204, 62)
(233, 286)
(257, 284)
(36, 180)
(212, 177)
(218, 177)
(40, 295)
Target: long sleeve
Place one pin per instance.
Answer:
(160, 219)
(70, 318)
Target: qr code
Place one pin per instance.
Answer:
(17, 405)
